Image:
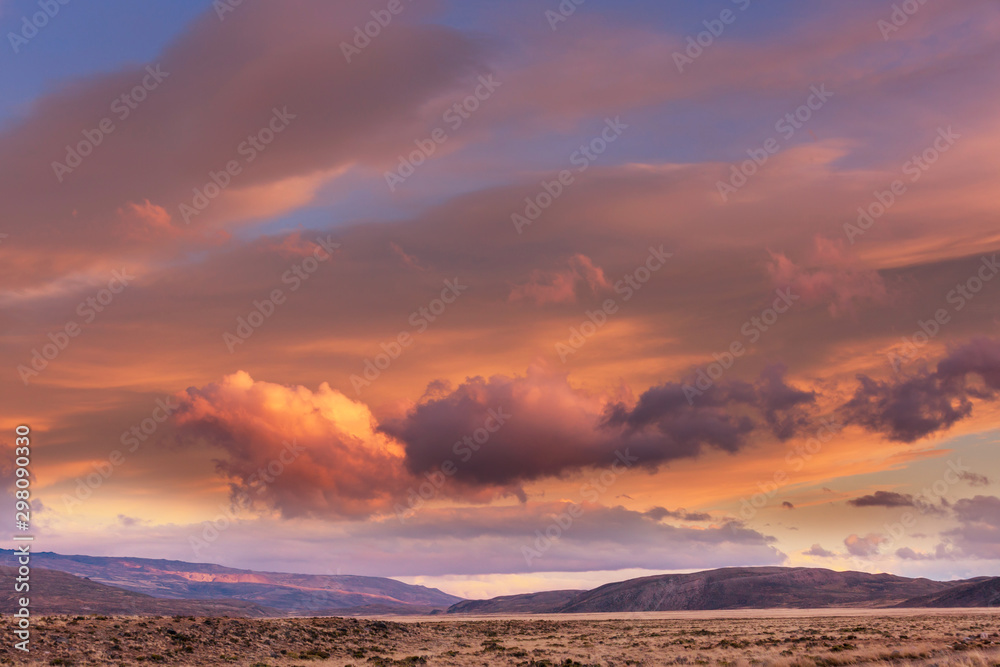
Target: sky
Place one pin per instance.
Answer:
(505, 296)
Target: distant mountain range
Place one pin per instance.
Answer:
(54, 592)
(268, 593)
(136, 586)
(748, 588)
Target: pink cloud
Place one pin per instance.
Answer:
(561, 286)
(832, 278)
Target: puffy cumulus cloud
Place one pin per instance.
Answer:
(561, 286)
(978, 532)
(493, 540)
(920, 405)
(819, 552)
(711, 417)
(863, 547)
(301, 452)
(832, 278)
(883, 499)
(550, 428)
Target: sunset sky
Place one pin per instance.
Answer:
(681, 285)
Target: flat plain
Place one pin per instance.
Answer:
(750, 638)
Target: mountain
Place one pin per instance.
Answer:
(983, 592)
(288, 594)
(53, 592)
(529, 603)
(745, 588)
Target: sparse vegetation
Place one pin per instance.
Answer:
(933, 639)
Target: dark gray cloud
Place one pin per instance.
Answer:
(974, 479)
(553, 429)
(660, 513)
(883, 499)
(920, 405)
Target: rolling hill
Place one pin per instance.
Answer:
(288, 594)
(983, 592)
(747, 588)
(54, 592)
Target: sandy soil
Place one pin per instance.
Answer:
(750, 639)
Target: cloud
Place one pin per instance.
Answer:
(863, 546)
(978, 532)
(303, 453)
(920, 405)
(408, 260)
(974, 478)
(561, 286)
(819, 552)
(833, 279)
(660, 513)
(203, 109)
(883, 499)
(554, 429)
(492, 540)
(906, 553)
(334, 459)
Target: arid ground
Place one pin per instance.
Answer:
(931, 639)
